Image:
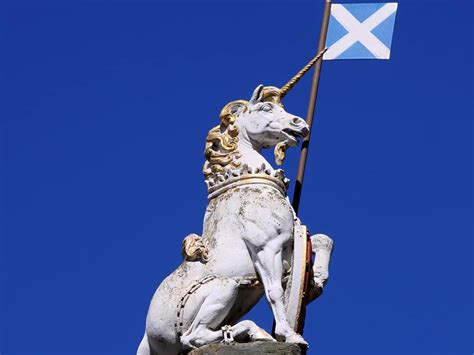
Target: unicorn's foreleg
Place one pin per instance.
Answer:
(269, 265)
(219, 297)
(321, 246)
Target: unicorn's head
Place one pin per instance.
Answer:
(266, 123)
(248, 126)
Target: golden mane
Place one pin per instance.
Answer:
(221, 143)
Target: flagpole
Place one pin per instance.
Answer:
(311, 107)
(304, 154)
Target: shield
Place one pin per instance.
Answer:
(299, 277)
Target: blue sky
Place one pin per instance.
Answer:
(106, 105)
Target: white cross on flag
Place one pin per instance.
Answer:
(360, 31)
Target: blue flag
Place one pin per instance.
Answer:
(360, 31)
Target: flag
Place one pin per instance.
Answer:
(360, 31)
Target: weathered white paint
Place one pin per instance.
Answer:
(247, 243)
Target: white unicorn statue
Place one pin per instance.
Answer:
(247, 244)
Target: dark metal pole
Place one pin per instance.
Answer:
(311, 106)
(304, 153)
(305, 143)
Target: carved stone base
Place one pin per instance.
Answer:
(259, 347)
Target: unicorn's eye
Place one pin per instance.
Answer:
(266, 107)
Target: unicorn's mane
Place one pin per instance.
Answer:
(221, 143)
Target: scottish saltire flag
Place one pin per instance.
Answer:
(360, 31)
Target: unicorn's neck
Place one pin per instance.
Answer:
(250, 155)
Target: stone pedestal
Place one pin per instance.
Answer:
(259, 347)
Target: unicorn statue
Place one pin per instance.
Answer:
(248, 246)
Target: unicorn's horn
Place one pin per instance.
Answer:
(289, 85)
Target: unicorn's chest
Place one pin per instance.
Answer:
(248, 205)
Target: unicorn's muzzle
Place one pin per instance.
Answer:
(296, 129)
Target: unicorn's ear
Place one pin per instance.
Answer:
(257, 95)
(237, 107)
(230, 111)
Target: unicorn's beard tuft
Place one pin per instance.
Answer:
(280, 152)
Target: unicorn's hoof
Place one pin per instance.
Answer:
(296, 339)
(261, 335)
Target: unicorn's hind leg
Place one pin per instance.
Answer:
(247, 330)
(217, 298)
(243, 331)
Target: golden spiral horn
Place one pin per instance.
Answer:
(289, 85)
